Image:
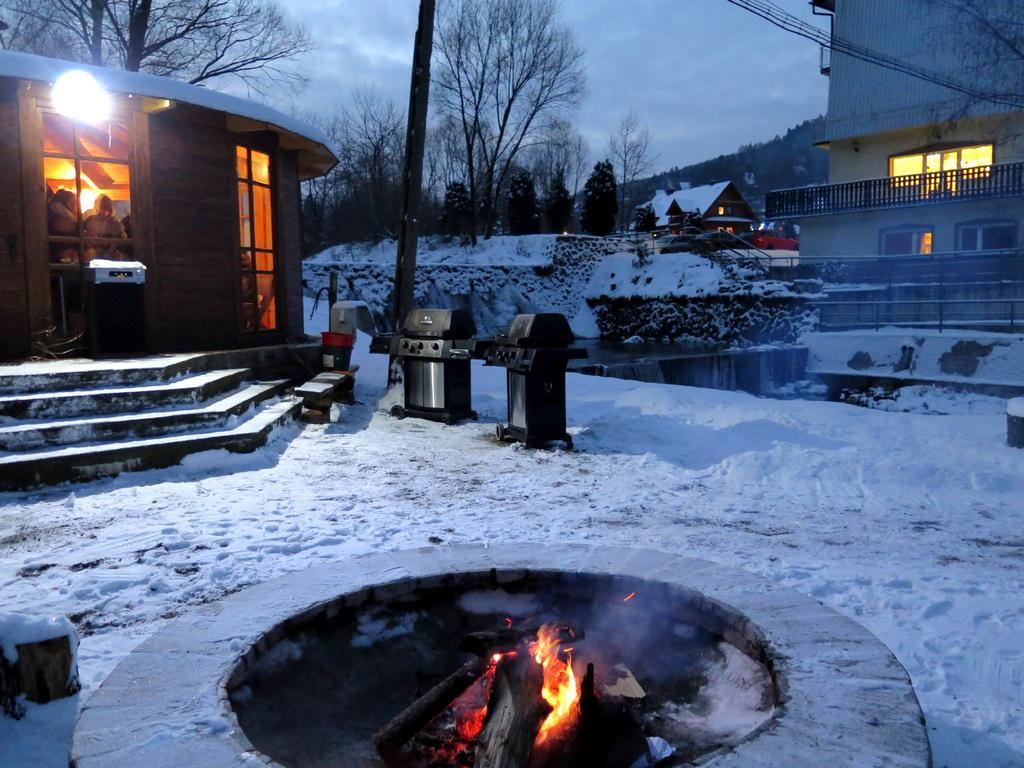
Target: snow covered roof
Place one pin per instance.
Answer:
(693, 200)
(316, 155)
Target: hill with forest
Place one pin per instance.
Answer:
(786, 161)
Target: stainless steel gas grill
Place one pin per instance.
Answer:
(535, 352)
(435, 347)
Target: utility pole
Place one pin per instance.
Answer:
(412, 168)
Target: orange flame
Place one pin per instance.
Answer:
(629, 597)
(471, 707)
(560, 689)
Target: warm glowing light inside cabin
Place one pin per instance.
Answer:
(256, 239)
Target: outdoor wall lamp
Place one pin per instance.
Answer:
(77, 95)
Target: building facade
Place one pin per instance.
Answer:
(915, 167)
(200, 187)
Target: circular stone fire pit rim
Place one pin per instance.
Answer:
(167, 702)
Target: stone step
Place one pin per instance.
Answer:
(86, 462)
(188, 390)
(33, 434)
(66, 375)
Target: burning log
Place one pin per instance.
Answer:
(515, 713)
(392, 737)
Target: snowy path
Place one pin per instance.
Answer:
(909, 524)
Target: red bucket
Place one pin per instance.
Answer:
(337, 350)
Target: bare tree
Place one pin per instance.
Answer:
(559, 149)
(200, 40)
(359, 198)
(194, 40)
(502, 68)
(69, 28)
(630, 151)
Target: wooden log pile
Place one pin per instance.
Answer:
(607, 733)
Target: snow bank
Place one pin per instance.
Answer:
(528, 250)
(577, 276)
(1015, 408)
(670, 274)
(955, 357)
(496, 279)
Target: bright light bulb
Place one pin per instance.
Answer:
(77, 95)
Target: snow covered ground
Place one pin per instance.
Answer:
(909, 523)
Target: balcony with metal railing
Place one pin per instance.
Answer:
(979, 183)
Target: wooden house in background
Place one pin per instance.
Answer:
(200, 186)
(720, 206)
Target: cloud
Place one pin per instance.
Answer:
(704, 75)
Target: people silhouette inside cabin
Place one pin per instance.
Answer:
(103, 224)
(62, 221)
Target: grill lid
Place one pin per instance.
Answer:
(439, 324)
(543, 330)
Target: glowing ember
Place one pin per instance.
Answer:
(560, 688)
(471, 708)
(629, 597)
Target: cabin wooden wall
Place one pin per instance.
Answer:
(192, 297)
(14, 327)
(287, 199)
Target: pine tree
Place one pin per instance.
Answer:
(600, 201)
(558, 204)
(644, 218)
(523, 214)
(455, 214)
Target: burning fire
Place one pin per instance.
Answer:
(560, 688)
(471, 708)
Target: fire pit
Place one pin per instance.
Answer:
(532, 656)
(509, 669)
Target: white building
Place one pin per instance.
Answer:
(915, 167)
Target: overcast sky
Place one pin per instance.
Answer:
(704, 75)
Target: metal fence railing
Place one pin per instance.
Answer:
(983, 182)
(994, 314)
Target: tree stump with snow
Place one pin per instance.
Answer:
(37, 661)
(1015, 423)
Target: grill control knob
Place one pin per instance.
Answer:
(405, 345)
(419, 345)
(436, 345)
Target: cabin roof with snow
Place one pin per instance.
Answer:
(700, 200)
(313, 147)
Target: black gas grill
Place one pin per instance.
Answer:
(536, 351)
(435, 347)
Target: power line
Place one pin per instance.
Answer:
(782, 19)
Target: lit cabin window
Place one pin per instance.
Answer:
(88, 190)
(256, 240)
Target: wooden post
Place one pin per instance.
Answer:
(412, 170)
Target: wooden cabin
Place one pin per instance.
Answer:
(199, 186)
(719, 206)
